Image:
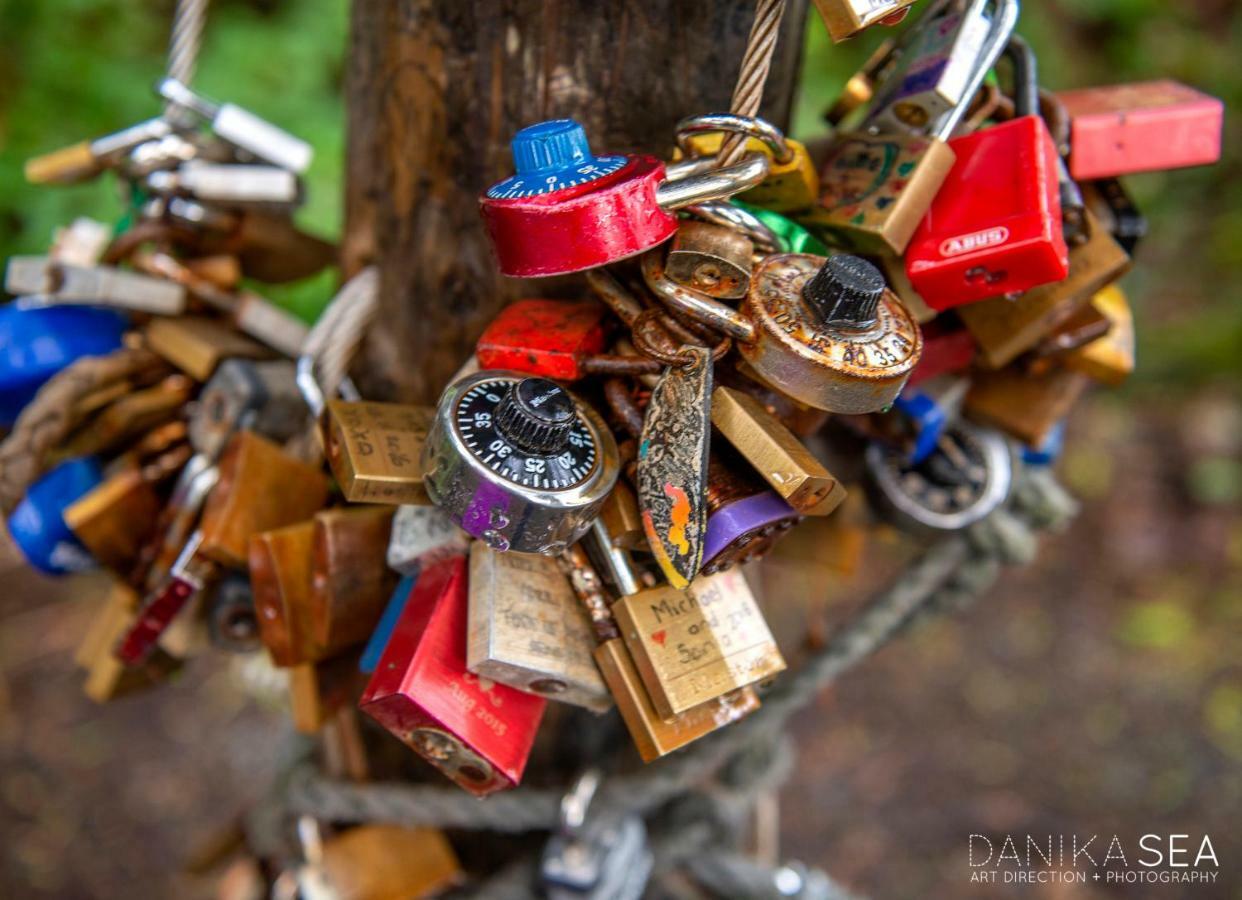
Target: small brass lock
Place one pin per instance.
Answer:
(375, 450)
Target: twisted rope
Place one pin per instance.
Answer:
(756, 62)
(186, 39)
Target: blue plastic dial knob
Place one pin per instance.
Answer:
(550, 156)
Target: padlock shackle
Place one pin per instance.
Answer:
(697, 306)
(177, 93)
(716, 184)
(731, 123)
(721, 212)
(1004, 19)
(1025, 76)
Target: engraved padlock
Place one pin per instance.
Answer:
(827, 332)
(375, 450)
(518, 462)
(553, 338)
(846, 18)
(567, 210)
(527, 629)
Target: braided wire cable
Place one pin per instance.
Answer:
(756, 62)
(186, 39)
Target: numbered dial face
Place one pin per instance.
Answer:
(536, 183)
(566, 465)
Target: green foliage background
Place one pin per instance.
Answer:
(77, 68)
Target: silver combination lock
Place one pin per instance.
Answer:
(518, 462)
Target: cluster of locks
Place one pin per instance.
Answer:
(911, 309)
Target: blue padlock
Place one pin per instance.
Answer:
(38, 526)
(36, 342)
(388, 621)
(930, 408)
(1048, 452)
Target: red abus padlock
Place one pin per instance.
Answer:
(477, 732)
(995, 226)
(551, 338)
(566, 210)
(1145, 127)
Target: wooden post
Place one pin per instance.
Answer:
(436, 88)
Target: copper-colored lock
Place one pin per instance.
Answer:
(710, 258)
(260, 488)
(1004, 328)
(318, 690)
(115, 520)
(280, 576)
(1021, 404)
(350, 582)
(375, 450)
(1108, 359)
(776, 454)
(527, 629)
(386, 862)
(196, 345)
(106, 676)
(130, 416)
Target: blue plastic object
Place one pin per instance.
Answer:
(551, 156)
(37, 342)
(37, 525)
(1049, 451)
(929, 421)
(388, 621)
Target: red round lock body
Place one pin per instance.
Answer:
(566, 210)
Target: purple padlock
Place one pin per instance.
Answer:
(744, 518)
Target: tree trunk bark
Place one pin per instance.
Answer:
(436, 88)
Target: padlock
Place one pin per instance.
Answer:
(128, 417)
(475, 731)
(947, 347)
(320, 691)
(37, 525)
(1147, 127)
(196, 345)
(567, 210)
(1108, 359)
(621, 516)
(280, 575)
(43, 281)
(878, 186)
(37, 343)
(89, 158)
(860, 88)
(711, 259)
(1004, 329)
(378, 862)
(552, 338)
(527, 630)
(653, 735)
(518, 462)
(232, 623)
(1116, 211)
(827, 332)
(262, 397)
(176, 521)
(595, 857)
(375, 450)
(422, 536)
(81, 243)
(744, 519)
(775, 453)
(107, 678)
(935, 69)
(995, 226)
(1024, 405)
(846, 18)
(260, 488)
(185, 581)
(966, 478)
(169, 152)
(925, 412)
(241, 128)
(1047, 451)
(698, 644)
(350, 584)
(791, 184)
(230, 185)
(374, 649)
(264, 321)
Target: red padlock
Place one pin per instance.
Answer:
(477, 732)
(946, 348)
(566, 210)
(160, 608)
(552, 338)
(995, 226)
(1145, 127)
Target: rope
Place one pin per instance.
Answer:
(757, 60)
(186, 39)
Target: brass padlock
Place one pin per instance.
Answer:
(527, 630)
(1108, 359)
(1024, 405)
(260, 488)
(1004, 329)
(712, 259)
(622, 518)
(196, 345)
(772, 449)
(350, 583)
(877, 187)
(375, 450)
(791, 184)
(846, 18)
(698, 644)
(379, 862)
(280, 575)
(318, 690)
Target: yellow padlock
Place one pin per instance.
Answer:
(792, 184)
